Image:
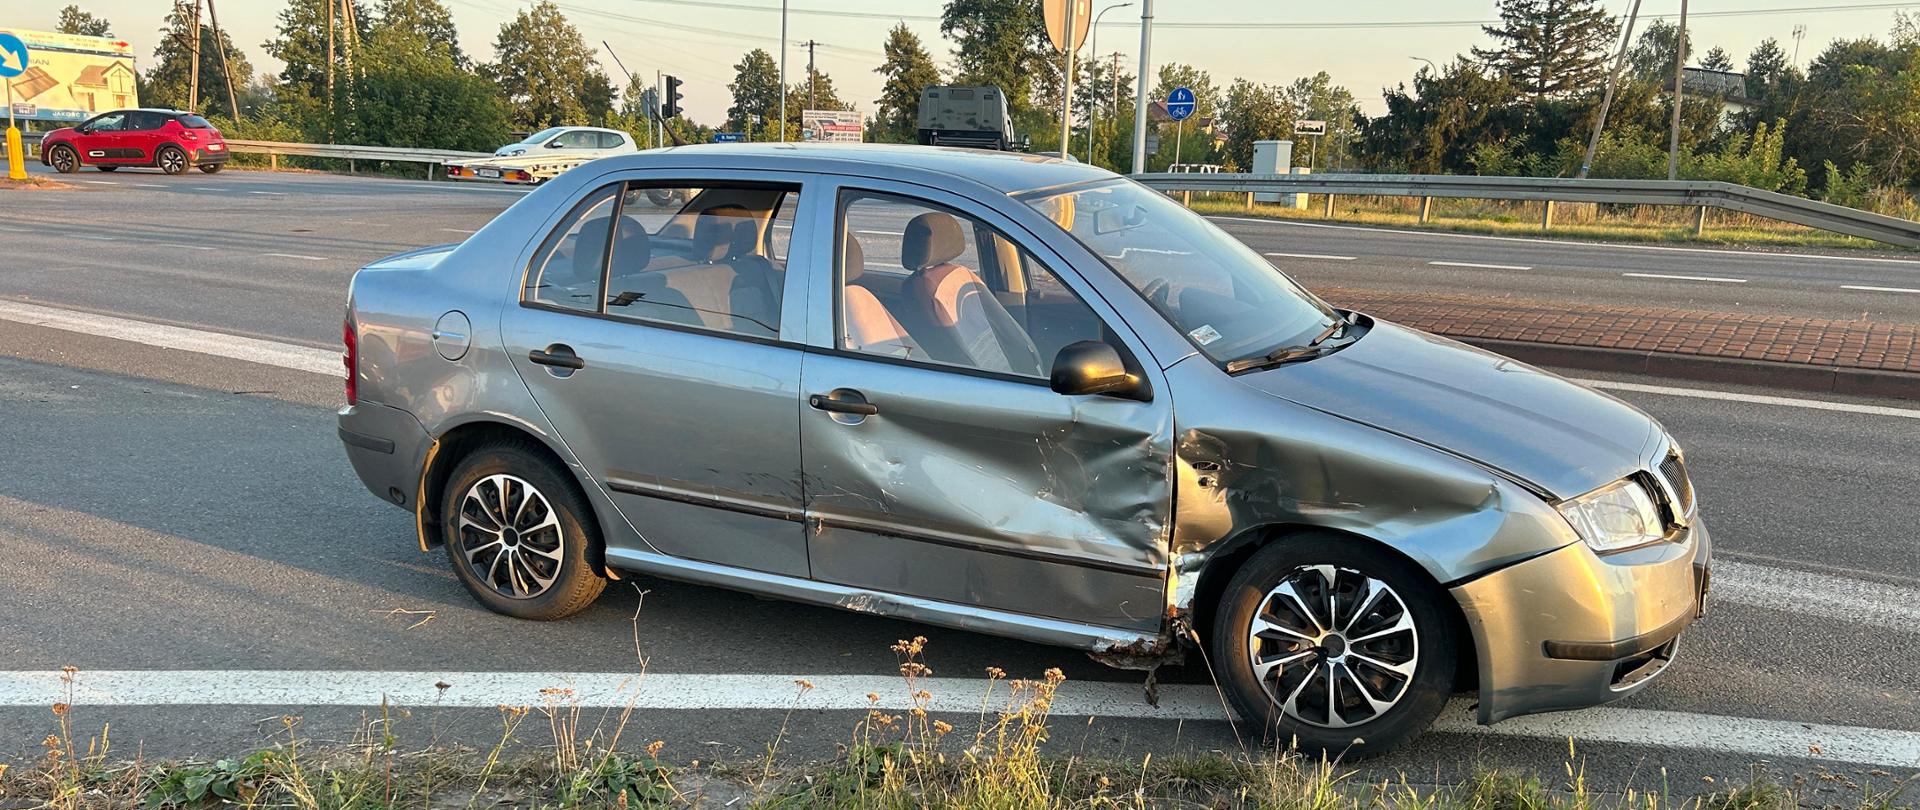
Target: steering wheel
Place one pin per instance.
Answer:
(1156, 293)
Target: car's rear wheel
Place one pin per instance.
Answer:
(213, 168)
(171, 159)
(63, 159)
(518, 532)
(106, 168)
(1333, 644)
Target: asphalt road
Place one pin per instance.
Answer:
(170, 512)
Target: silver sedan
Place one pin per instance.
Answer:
(1021, 396)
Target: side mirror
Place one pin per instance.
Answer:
(1094, 367)
(556, 144)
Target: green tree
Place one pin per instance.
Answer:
(814, 91)
(1317, 98)
(1436, 128)
(546, 71)
(756, 93)
(1766, 67)
(81, 23)
(1206, 97)
(1718, 59)
(166, 84)
(1652, 55)
(301, 46)
(1551, 48)
(907, 70)
(413, 85)
(428, 24)
(1252, 112)
(996, 42)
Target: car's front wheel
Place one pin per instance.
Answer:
(171, 159)
(1333, 644)
(518, 532)
(63, 159)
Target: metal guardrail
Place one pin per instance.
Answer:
(1697, 193)
(274, 150)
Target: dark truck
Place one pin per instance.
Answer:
(977, 117)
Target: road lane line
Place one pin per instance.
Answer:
(298, 256)
(1854, 601)
(1879, 289)
(148, 185)
(97, 237)
(217, 344)
(1310, 256)
(460, 230)
(1755, 399)
(1570, 243)
(1481, 266)
(1719, 279)
(773, 692)
(282, 193)
(211, 188)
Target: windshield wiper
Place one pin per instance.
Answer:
(1289, 354)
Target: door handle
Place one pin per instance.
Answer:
(857, 407)
(558, 355)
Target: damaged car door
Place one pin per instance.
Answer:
(939, 463)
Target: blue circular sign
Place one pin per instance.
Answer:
(13, 56)
(1180, 103)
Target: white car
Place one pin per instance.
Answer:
(590, 142)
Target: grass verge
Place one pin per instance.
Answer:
(555, 755)
(1585, 221)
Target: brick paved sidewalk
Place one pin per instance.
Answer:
(1818, 342)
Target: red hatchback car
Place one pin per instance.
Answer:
(170, 140)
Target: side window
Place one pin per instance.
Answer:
(111, 122)
(915, 285)
(146, 121)
(566, 271)
(610, 140)
(578, 139)
(696, 256)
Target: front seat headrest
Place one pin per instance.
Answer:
(931, 239)
(632, 247)
(746, 240)
(712, 235)
(853, 261)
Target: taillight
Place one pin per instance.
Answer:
(187, 135)
(351, 358)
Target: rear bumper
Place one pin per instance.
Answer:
(203, 157)
(1571, 629)
(387, 447)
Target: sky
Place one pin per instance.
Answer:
(1366, 45)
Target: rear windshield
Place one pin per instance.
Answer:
(191, 121)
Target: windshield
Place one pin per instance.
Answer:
(1222, 295)
(542, 135)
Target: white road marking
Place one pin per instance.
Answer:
(97, 237)
(211, 188)
(460, 230)
(1481, 266)
(1571, 243)
(297, 256)
(148, 185)
(1720, 279)
(1854, 601)
(266, 192)
(183, 247)
(879, 233)
(1310, 256)
(770, 692)
(217, 344)
(1755, 399)
(1879, 289)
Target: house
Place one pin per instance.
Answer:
(1729, 87)
(113, 81)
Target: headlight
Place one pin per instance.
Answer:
(1617, 516)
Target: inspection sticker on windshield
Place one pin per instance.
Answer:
(1205, 334)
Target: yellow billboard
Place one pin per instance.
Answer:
(70, 78)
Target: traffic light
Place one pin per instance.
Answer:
(670, 103)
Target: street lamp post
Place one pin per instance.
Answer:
(1430, 65)
(1140, 97)
(783, 71)
(1095, 52)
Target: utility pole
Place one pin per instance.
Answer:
(226, 68)
(193, 72)
(1613, 79)
(812, 103)
(1679, 82)
(1140, 97)
(1799, 33)
(1066, 83)
(331, 5)
(783, 71)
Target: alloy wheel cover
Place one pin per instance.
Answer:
(1333, 647)
(509, 537)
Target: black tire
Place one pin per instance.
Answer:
(106, 168)
(63, 159)
(1428, 646)
(663, 197)
(213, 168)
(172, 160)
(573, 584)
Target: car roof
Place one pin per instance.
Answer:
(1007, 172)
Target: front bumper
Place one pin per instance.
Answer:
(1571, 629)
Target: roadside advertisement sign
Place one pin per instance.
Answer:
(833, 126)
(1309, 127)
(73, 77)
